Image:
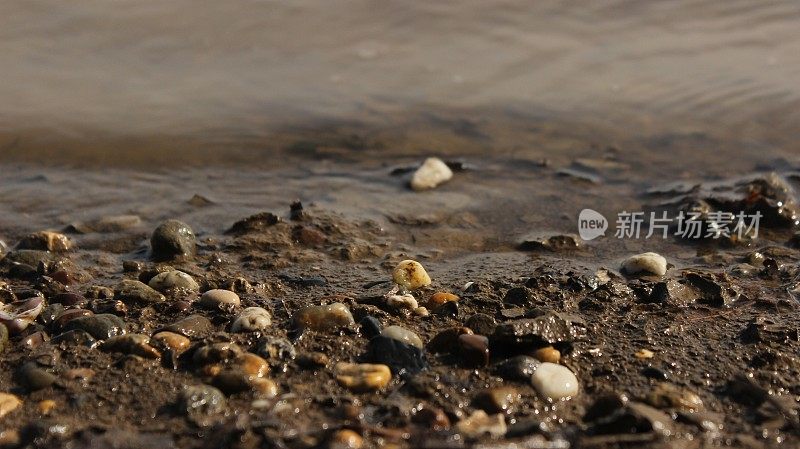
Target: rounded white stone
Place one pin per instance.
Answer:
(647, 262)
(216, 297)
(554, 382)
(252, 319)
(430, 174)
(402, 334)
(173, 280)
(411, 275)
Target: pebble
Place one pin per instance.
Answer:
(474, 349)
(134, 291)
(134, 344)
(322, 318)
(439, 298)
(362, 377)
(518, 296)
(370, 326)
(481, 323)
(402, 334)
(276, 350)
(218, 297)
(174, 343)
(253, 365)
(191, 326)
(430, 174)
(46, 406)
(548, 354)
(554, 382)
(345, 439)
(8, 403)
(69, 299)
(18, 315)
(543, 330)
(405, 301)
(313, 360)
(498, 400)
(232, 381)
(446, 341)
(201, 400)
(216, 353)
(68, 315)
(479, 424)
(646, 262)
(34, 378)
(644, 354)
(252, 319)
(102, 326)
(399, 356)
(410, 275)
(174, 281)
(75, 337)
(172, 239)
(46, 241)
(666, 395)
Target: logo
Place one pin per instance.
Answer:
(591, 224)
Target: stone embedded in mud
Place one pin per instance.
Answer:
(8, 403)
(651, 263)
(634, 417)
(216, 298)
(547, 354)
(519, 368)
(402, 302)
(431, 174)
(410, 275)
(33, 378)
(543, 330)
(439, 298)
(474, 349)
(370, 326)
(191, 326)
(101, 327)
(715, 289)
(554, 382)
(323, 318)
(479, 424)
(362, 377)
(402, 334)
(345, 439)
(498, 400)
(252, 319)
(172, 239)
(75, 337)
(134, 344)
(446, 341)
(138, 292)
(276, 350)
(201, 400)
(46, 241)
(399, 356)
(518, 296)
(216, 353)
(170, 342)
(18, 315)
(666, 395)
(481, 324)
(174, 281)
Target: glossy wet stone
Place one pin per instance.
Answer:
(68, 315)
(252, 319)
(216, 298)
(170, 341)
(174, 281)
(69, 299)
(439, 298)
(201, 400)
(101, 327)
(172, 239)
(543, 330)
(474, 350)
(137, 292)
(362, 377)
(410, 275)
(370, 326)
(547, 354)
(402, 358)
(402, 334)
(135, 344)
(33, 377)
(191, 326)
(323, 318)
(446, 341)
(74, 337)
(554, 382)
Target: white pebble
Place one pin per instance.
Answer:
(647, 262)
(410, 275)
(554, 382)
(252, 319)
(430, 174)
(402, 334)
(402, 302)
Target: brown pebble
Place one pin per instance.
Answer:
(176, 343)
(78, 374)
(46, 406)
(180, 306)
(70, 314)
(8, 403)
(313, 360)
(439, 298)
(447, 340)
(346, 439)
(263, 387)
(548, 354)
(253, 365)
(474, 349)
(134, 344)
(46, 241)
(217, 298)
(362, 377)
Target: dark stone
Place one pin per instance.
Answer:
(474, 350)
(101, 326)
(68, 315)
(34, 378)
(715, 288)
(634, 418)
(654, 373)
(172, 239)
(370, 326)
(191, 326)
(69, 300)
(49, 313)
(138, 292)
(519, 368)
(254, 223)
(544, 330)
(400, 357)
(75, 337)
(446, 341)
(481, 324)
(604, 405)
(448, 310)
(519, 296)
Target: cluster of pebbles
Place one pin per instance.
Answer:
(403, 361)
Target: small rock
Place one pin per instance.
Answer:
(345, 439)
(68, 315)
(47, 406)
(134, 291)
(362, 377)
(498, 400)
(313, 360)
(370, 326)
(8, 403)
(644, 354)
(18, 315)
(69, 300)
(446, 341)
(75, 337)
(547, 354)
(402, 334)
(518, 296)
(402, 302)
(46, 241)
(172, 239)
(34, 378)
(276, 350)
(101, 327)
(546, 329)
(232, 381)
(554, 382)
(481, 324)
(474, 349)
(201, 400)
(646, 262)
(430, 174)
(479, 424)
(174, 281)
(191, 326)
(252, 319)
(170, 343)
(216, 298)
(666, 395)
(399, 356)
(216, 353)
(519, 368)
(410, 275)
(252, 365)
(323, 318)
(439, 298)
(135, 344)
